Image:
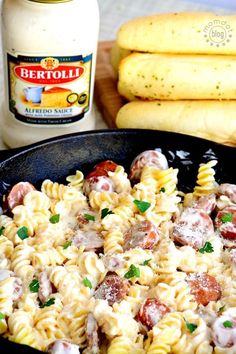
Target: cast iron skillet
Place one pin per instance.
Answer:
(58, 157)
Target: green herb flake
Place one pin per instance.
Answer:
(191, 326)
(141, 205)
(221, 310)
(54, 219)
(106, 212)
(1, 230)
(228, 324)
(87, 283)
(133, 272)
(228, 217)
(2, 316)
(34, 286)
(162, 190)
(47, 303)
(207, 248)
(145, 263)
(89, 217)
(67, 244)
(23, 233)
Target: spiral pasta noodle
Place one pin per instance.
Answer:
(205, 179)
(102, 200)
(20, 326)
(77, 326)
(9, 229)
(76, 180)
(46, 322)
(166, 333)
(113, 242)
(120, 180)
(76, 265)
(6, 295)
(21, 261)
(123, 345)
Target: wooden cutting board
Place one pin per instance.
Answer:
(106, 96)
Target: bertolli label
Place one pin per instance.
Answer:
(49, 90)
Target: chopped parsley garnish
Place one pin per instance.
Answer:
(47, 303)
(133, 272)
(1, 230)
(67, 244)
(221, 309)
(87, 283)
(228, 217)
(146, 262)
(1, 316)
(207, 248)
(162, 190)
(54, 219)
(34, 286)
(228, 324)
(23, 233)
(89, 217)
(141, 205)
(106, 212)
(191, 326)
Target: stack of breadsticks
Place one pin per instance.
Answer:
(179, 73)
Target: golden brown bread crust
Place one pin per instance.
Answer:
(177, 76)
(185, 32)
(212, 120)
(116, 55)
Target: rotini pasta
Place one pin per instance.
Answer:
(132, 260)
(206, 183)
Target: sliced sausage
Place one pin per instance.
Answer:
(98, 183)
(206, 203)
(92, 334)
(63, 347)
(203, 287)
(225, 221)
(102, 169)
(113, 262)
(45, 286)
(147, 158)
(151, 312)
(193, 228)
(224, 329)
(81, 219)
(113, 289)
(17, 194)
(107, 165)
(90, 239)
(229, 190)
(97, 173)
(98, 179)
(143, 234)
(18, 289)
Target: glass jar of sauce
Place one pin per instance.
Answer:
(49, 49)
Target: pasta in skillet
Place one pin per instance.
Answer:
(119, 263)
